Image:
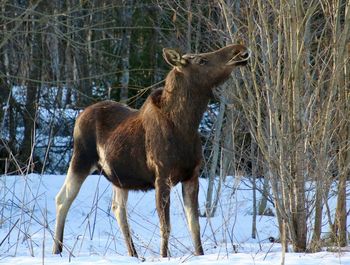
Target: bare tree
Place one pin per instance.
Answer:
(288, 101)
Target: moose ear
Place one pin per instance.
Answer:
(174, 58)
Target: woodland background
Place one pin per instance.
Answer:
(282, 124)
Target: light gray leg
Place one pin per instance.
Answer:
(120, 198)
(190, 190)
(64, 200)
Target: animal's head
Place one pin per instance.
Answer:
(207, 70)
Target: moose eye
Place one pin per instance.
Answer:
(200, 60)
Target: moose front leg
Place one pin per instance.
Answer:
(163, 204)
(190, 190)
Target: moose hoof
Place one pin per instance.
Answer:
(57, 249)
(199, 251)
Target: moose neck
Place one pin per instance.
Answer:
(183, 102)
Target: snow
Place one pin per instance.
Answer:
(93, 237)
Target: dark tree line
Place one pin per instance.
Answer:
(57, 55)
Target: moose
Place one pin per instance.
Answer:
(155, 147)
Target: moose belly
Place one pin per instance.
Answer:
(128, 175)
(181, 174)
(131, 178)
(126, 168)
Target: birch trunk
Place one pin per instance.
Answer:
(214, 160)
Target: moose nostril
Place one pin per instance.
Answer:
(240, 56)
(245, 54)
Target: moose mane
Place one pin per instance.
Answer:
(177, 99)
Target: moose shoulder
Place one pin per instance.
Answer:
(155, 147)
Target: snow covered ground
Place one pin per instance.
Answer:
(92, 236)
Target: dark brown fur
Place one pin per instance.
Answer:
(155, 147)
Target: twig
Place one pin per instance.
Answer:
(8, 234)
(45, 226)
(268, 251)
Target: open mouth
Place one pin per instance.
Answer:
(240, 58)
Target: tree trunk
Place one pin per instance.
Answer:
(341, 76)
(316, 236)
(340, 226)
(264, 197)
(340, 214)
(80, 37)
(33, 63)
(253, 151)
(226, 161)
(189, 26)
(69, 61)
(214, 160)
(127, 12)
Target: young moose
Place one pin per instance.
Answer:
(155, 147)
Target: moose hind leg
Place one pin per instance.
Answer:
(120, 198)
(190, 196)
(64, 200)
